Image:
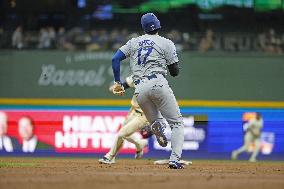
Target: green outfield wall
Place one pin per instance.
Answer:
(85, 75)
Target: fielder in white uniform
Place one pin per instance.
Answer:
(135, 121)
(150, 57)
(252, 136)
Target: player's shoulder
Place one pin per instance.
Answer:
(165, 40)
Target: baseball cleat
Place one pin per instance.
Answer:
(105, 160)
(158, 131)
(139, 153)
(175, 165)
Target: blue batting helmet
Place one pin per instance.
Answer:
(150, 22)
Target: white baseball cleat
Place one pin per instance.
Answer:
(139, 153)
(105, 160)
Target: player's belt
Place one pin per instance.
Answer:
(136, 82)
(139, 112)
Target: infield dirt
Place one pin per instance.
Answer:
(51, 173)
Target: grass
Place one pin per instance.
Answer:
(18, 164)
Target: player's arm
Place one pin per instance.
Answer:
(121, 54)
(173, 69)
(172, 60)
(116, 59)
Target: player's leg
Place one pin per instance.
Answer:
(128, 133)
(153, 115)
(256, 150)
(133, 123)
(244, 148)
(118, 142)
(165, 100)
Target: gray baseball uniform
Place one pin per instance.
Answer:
(149, 57)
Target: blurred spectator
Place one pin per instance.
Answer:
(273, 43)
(94, 43)
(206, 42)
(5, 141)
(116, 39)
(62, 41)
(52, 35)
(17, 38)
(103, 39)
(44, 39)
(99, 40)
(261, 39)
(2, 37)
(176, 37)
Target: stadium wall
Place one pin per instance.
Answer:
(86, 75)
(66, 95)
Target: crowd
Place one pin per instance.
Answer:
(102, 39)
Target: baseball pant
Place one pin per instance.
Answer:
(155, 97)
(249, 139)
(134, 121)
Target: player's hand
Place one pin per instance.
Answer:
(117, 89)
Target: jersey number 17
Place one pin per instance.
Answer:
(143, 54)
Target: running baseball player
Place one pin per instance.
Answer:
(150, 57)
(252, 136)
(135, 121)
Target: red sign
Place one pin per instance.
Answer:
(73, 131)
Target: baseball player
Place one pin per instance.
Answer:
(135, 121)
(150, 57)
(252, 136)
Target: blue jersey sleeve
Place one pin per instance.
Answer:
(116, 59)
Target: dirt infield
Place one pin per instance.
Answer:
(51, 173)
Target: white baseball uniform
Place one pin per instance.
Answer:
(149, 57)
(253, 132)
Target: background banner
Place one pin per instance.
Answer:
(213, 131)
(216, 76)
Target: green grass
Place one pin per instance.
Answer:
(18, 164)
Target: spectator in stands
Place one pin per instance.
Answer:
(62, 41)
(103, 39)
(5, 141)
(273, 43)
(17, 38)
(94, 42)
(52, 35)
(44, 39)
(206, 42)
(261, 39)
(116, 39)
(176, 37)
(1, 37)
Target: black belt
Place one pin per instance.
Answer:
(136, 82)
(138, 112)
